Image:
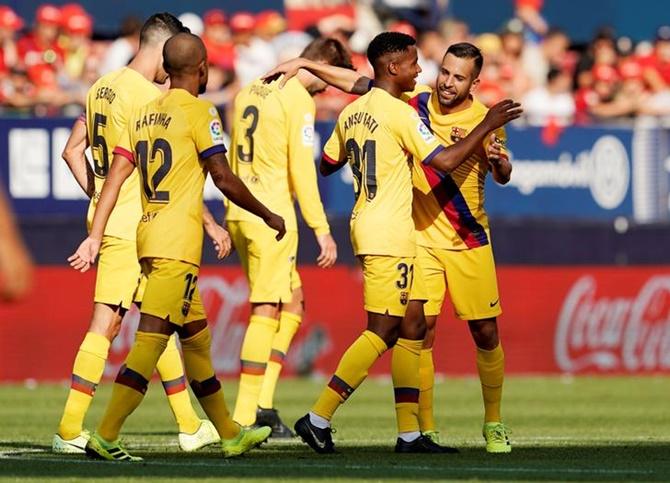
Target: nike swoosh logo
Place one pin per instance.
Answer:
(320, 444)
(493, 304)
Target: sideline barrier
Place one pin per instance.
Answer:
(581, 320)
(585, 173)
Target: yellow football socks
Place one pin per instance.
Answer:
(288, 326)
(131, 382)
(89, 364)
(491, 367)
(426, 383)
(351, 371)
(254, 357)
(205, 385)
(405, 373)
(171, 371)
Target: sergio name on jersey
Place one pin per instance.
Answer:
(167, 139)
(109, 104)
(380, 134)
(449, 210)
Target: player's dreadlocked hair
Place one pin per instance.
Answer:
(388, 43)
(465, 50)
(328, 50)
(160, 27)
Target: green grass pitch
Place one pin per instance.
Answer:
(581, 429)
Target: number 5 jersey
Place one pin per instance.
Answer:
(109, 104)
(167, 139)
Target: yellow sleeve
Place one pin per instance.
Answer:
(302, 171)
(414, 136)
(207, 130)
(333, 150)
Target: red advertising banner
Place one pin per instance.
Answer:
(301, 14)
(556, 320)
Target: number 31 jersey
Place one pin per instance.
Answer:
(167, 139)
(109, 104)
(380, 135)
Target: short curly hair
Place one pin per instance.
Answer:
(387, 43)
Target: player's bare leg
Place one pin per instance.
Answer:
(491, 367)
(289, 323)
(254, 356)
(89, 366)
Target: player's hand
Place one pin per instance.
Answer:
(85, 255)
(328, 255)
(288, 69)
(16, 272)
(276, 222)
(494, 149)
(220, 238)
(502, 113)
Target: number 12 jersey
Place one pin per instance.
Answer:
(380, 135)
(168, 139)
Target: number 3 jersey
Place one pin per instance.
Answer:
(272, 152)
(380, 135)
(167, 140)
(109, 104)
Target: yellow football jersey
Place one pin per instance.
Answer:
(109, 104)
(379, 135)
(272, 152)
(167, 139)
(449, 210)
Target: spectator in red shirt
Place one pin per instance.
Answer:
(656, 68)
(10, 23)
(217, 39)
(39, 51)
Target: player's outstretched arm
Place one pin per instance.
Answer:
(346, 80)
(450, 158)
(233, 188)
(119, 171)
(74, 154)
(501, 168)
(219, 235)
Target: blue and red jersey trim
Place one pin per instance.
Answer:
(446, 191)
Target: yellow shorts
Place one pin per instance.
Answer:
(470, 276)
(172, 291)
(387, 283)
(119, 277)
(270, 265)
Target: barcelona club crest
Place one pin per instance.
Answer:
(404, 297)
(185, 308)
(458, 133)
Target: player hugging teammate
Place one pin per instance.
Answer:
(397, 138)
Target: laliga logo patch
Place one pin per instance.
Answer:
(424, 132)
(308, 135)
(458, 133)
(216, 131)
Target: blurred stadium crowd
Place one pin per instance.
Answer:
(46, 68)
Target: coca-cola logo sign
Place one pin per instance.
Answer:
(605, 333)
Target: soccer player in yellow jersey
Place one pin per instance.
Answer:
(453, 238)
(174, 141)
(273, 154)
(379, 135)
(110, 102)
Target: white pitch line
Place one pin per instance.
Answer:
(15, 455)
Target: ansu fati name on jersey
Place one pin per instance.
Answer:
(361, 118)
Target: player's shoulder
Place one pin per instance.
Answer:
(420, 89)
